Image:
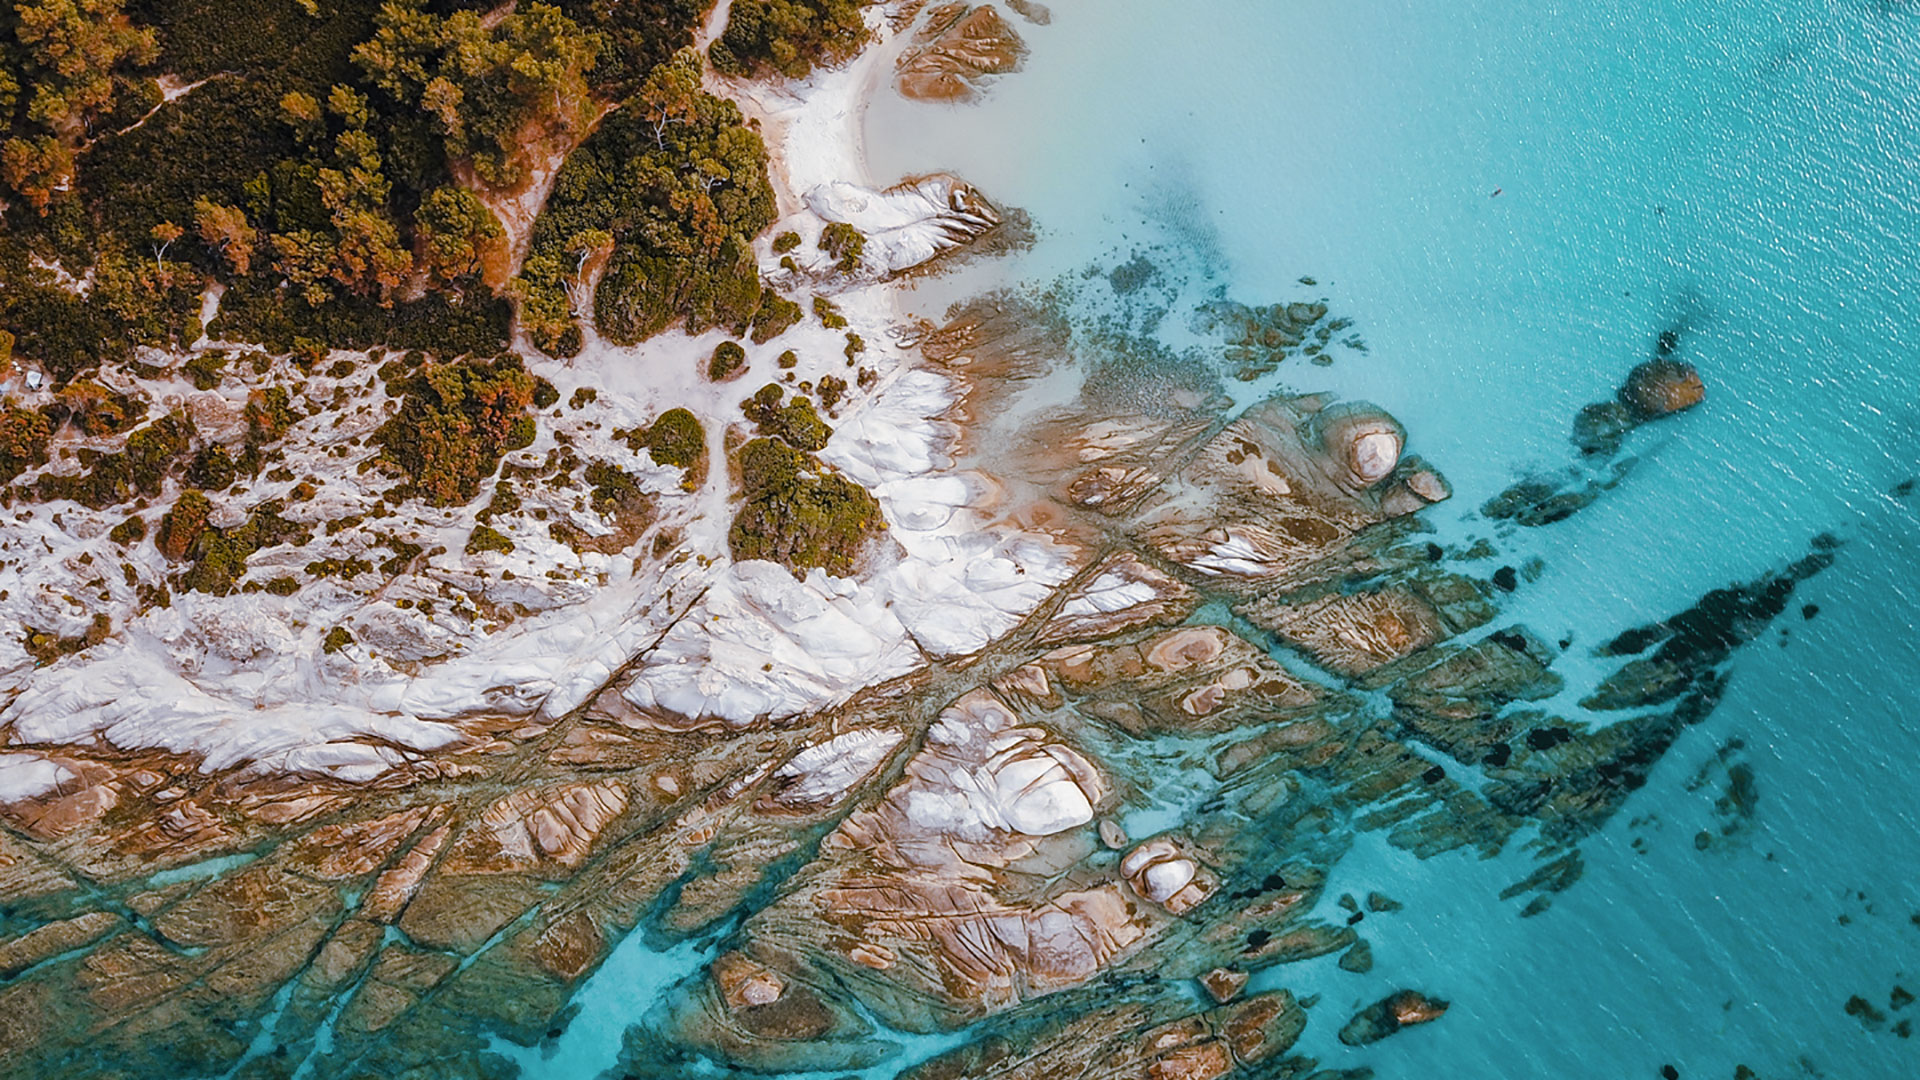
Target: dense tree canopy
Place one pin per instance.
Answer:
(315, 167)
(485, 84)
(788, 36)
(455, 422)
(679, 182)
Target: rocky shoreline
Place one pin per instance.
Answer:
(898, 801)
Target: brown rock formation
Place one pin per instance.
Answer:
(958, 48)
(1662, 387)
(1400, 1009)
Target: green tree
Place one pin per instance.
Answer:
(800, 513)
(23, 440)
(457, 233)
(789, 36)
(225, 231)
(72, 48)
(482, 85)
(37, 167)
(680, 184)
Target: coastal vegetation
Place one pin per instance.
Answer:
(788, 36)
(455, 422)
(799, 512)
(676, 439)
(327, 165)
(665, 198)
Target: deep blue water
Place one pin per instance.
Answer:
(1744, 168)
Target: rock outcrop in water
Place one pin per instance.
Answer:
(955, 50)
(1400, 1009)
(1654, 390)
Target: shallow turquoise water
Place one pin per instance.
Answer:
(1743, 167)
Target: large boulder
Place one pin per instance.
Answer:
(1662, 387)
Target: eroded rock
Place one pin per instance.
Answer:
(957, 49)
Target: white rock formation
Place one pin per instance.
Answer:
(906, 225)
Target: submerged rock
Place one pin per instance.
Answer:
(1400, 1009)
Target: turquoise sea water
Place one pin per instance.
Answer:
(1745, 169)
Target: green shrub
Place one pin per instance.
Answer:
(100, 411)
(269, 414)
(800, 513)
(505, 501)
(832, 389)
(776, 315)
(404, 552)
(727, 361)
(283, 586)
(47, 647)
(845, 244)
(220, 555)
(485, 538)
(855, 346)
(332, 567)
(455, 422)
(795, 422)
(129, 532)
(336, 639)
(212, 468)
(677, 440)
(544, 393)
(789, 360)
(828, 315)
(582, 397)
(140, 469)
(785, 242)
(183, 524)
(613, 487)
(205, 369)
(23, 440)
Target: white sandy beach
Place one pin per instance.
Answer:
(242, 681)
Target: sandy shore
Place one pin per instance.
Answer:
(242, 680)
